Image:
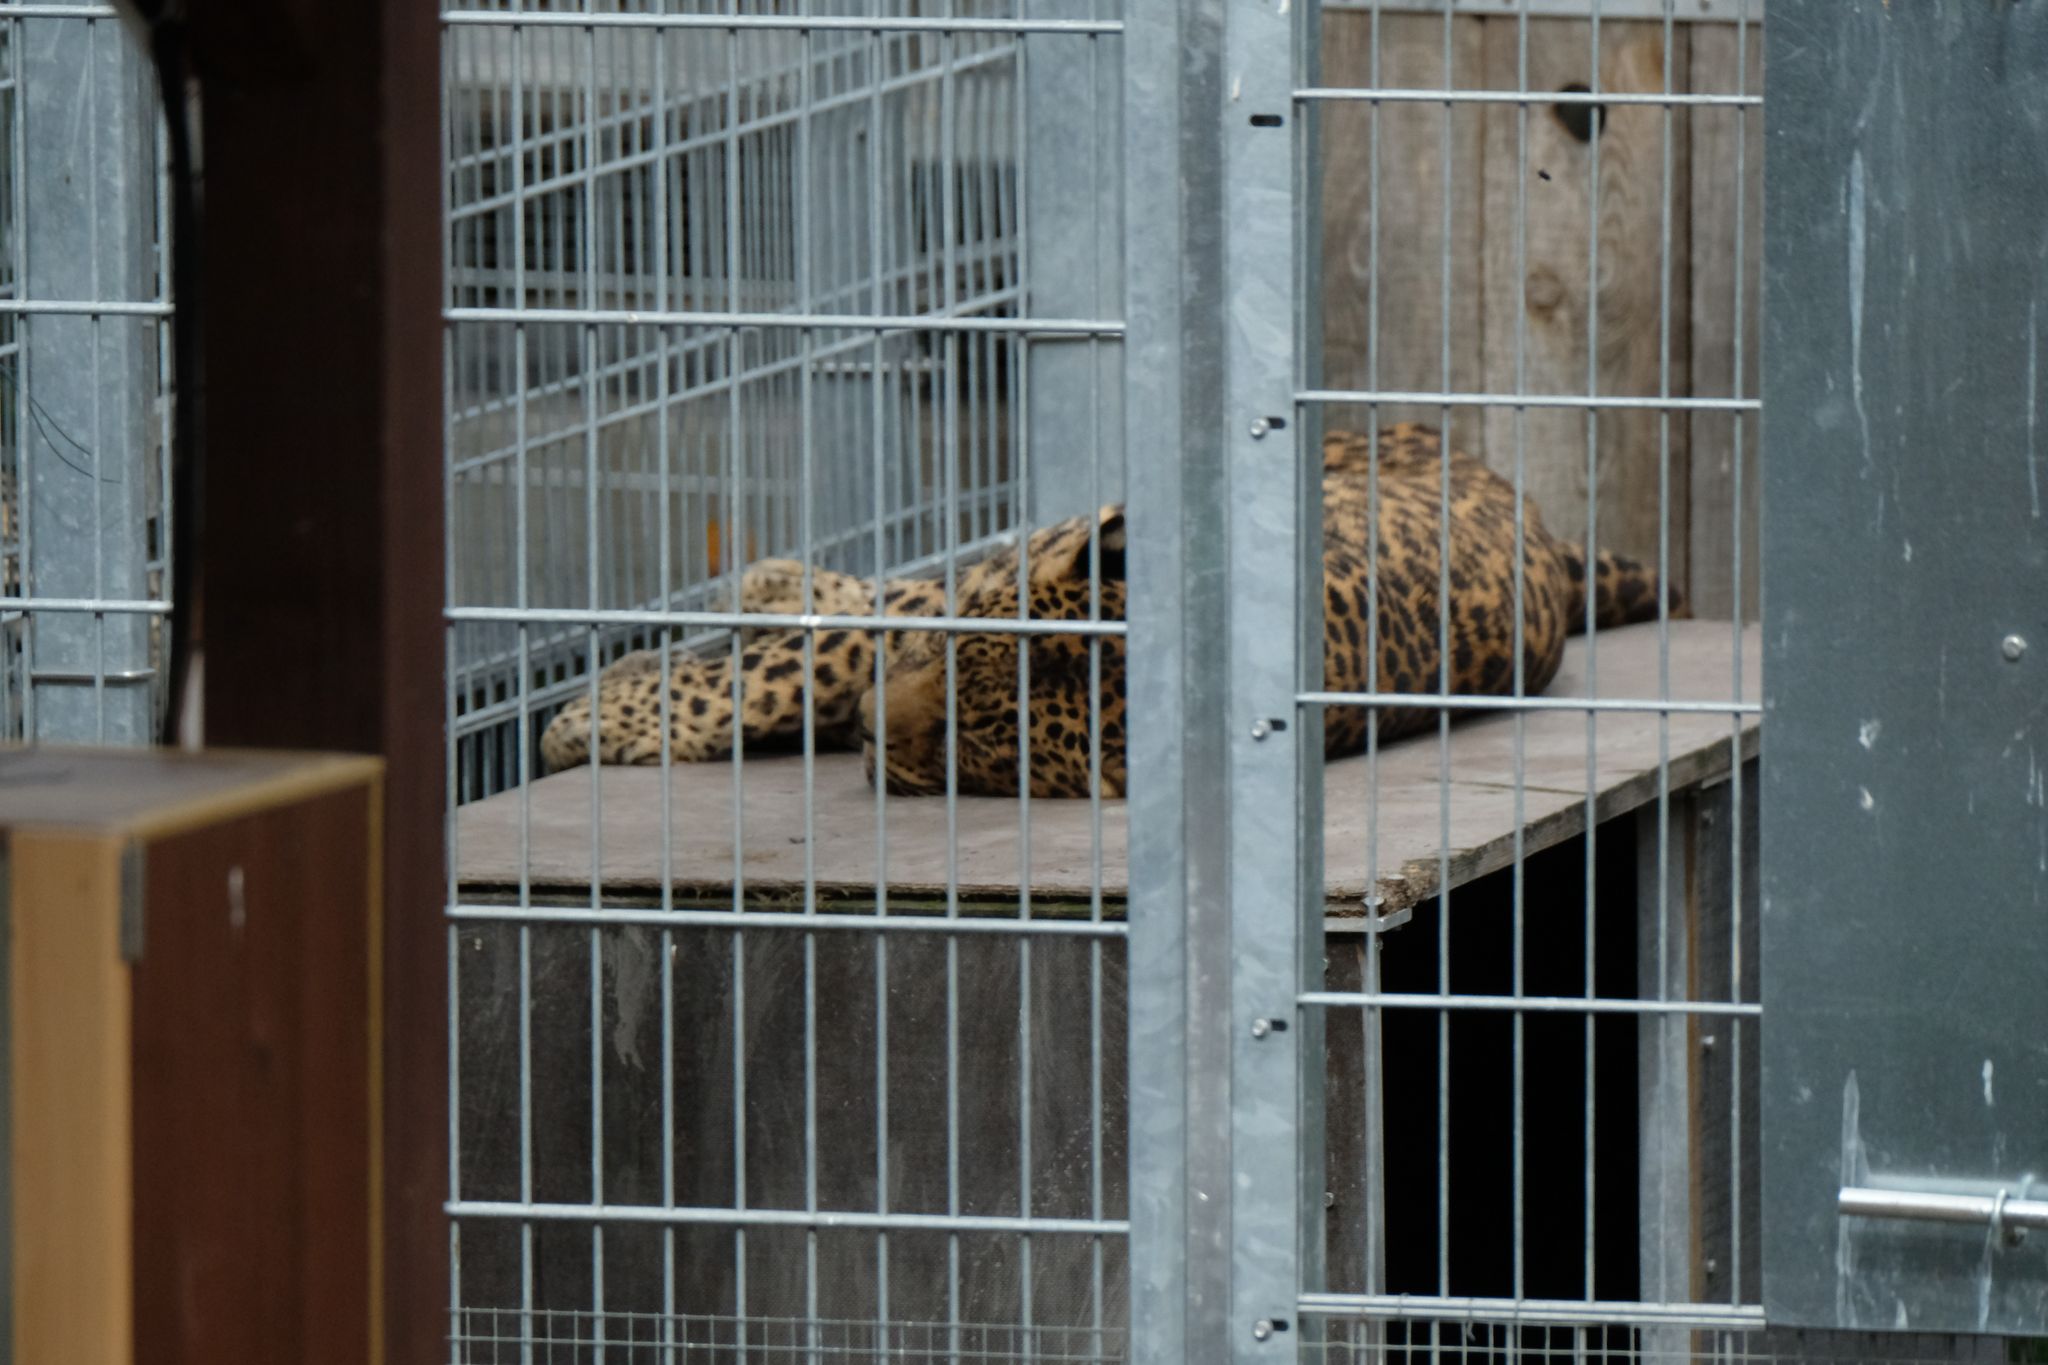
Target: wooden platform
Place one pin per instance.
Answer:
(1399, 851)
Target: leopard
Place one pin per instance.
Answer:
(1385, 524)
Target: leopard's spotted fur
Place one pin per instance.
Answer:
(1063, 676)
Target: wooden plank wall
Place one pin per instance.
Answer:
(1451, 199)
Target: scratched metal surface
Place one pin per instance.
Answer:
(1905, 825)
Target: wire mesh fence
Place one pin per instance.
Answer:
(791, 1011)
(552, 1337)
(1549, 224)
(84, 379)
(753, 1057)
(778, 194)
(1624, 1344)
(781, 339)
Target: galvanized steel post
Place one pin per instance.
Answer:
(1179, 943)
(1274, 762)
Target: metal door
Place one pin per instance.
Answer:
(1905, 840)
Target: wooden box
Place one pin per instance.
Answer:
(188, 1056)
(663, 1061)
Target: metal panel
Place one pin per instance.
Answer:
(1905, 838)
(1537, 1181)
(724, 287)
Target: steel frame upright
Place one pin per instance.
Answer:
(1225, 904)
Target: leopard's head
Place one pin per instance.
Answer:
(1066, 674)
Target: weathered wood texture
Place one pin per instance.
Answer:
(1726, 909)
(877, 1055)
(1389, 824)
(736, 1059)
(718, 1110)
(1726, 257)
(877, 1029)
(1613, 185)
(1667, 851)
(1485, 245)
(1395, 158)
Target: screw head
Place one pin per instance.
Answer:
(1259, 428)
(1329, 1199)
(1262, 1330)
(1260, 729)
(1707, 1042)
(2012, 647)
(1261, 1027)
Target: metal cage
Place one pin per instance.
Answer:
(85, 379)
(727, 286)
(1447, 1050)
(772, 191)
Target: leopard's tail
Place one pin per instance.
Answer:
(1624, 590)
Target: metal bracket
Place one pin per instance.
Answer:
(1376, 923)
(1371, 922)
(131, 902)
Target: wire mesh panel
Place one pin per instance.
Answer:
(1520, 1057)
(752, 317)
(792, 1011)
(658, 1338)
(733, 179)
(1521, 1068)
(1469, 1339)
(84, 378)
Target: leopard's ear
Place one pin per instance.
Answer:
(1110, 535)
(1074, 547)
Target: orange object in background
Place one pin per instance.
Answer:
(713, 563)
